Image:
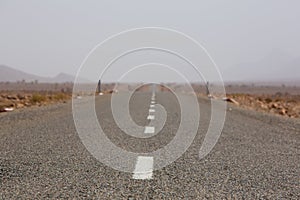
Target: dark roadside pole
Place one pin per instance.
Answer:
(207, 89)
(99, 87)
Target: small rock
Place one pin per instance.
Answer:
(12, 97)
(274, 105)
(27, 104)
(8, 109)
(283, 111)
(21, 97)
(20, 105)
(231, 100)
(263, 106)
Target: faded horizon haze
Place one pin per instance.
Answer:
(248, 40)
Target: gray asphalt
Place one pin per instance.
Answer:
(42, 156)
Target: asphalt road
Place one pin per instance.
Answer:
(42, 156)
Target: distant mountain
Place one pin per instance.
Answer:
(14, 75)
(277, 67)
(10, 74)
(62, 77)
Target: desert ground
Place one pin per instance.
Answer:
(278, 99)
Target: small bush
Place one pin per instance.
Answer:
(60, 96)
(37, 98)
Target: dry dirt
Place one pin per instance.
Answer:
(279, 100)
(281, 104)
(11, 100)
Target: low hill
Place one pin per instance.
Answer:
(9, 74)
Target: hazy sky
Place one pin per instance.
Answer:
(48, 37)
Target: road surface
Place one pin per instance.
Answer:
(42, 156)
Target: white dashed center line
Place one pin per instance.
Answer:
(144, 165)
(151, 117)
(149, 129)
(143, 168)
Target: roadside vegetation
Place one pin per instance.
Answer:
(15, 100)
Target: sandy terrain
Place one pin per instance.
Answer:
(11, 100)
(280, 100)
(280, 104)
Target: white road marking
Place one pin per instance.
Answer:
(149, 129)
(144, 164)
(151, 117)
(143, 168)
